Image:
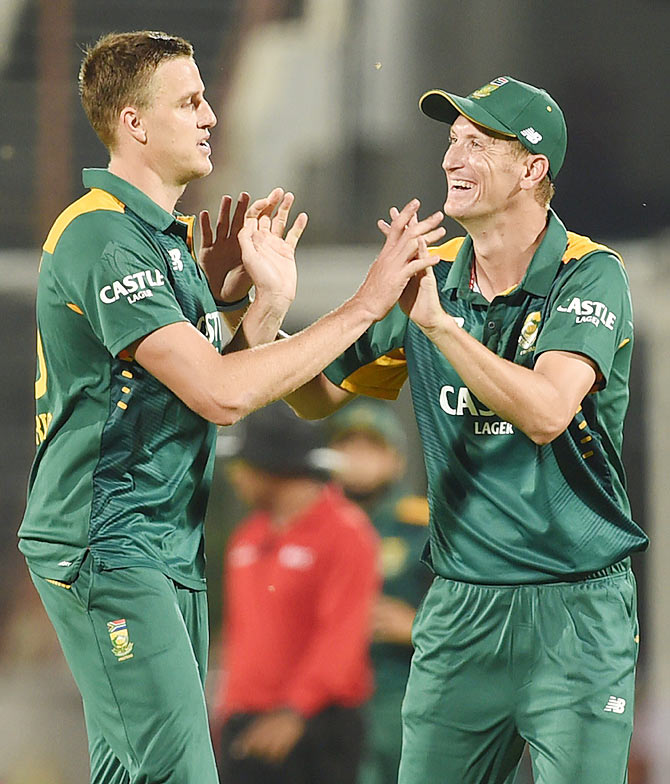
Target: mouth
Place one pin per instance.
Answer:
(204, 145)
(460, 186)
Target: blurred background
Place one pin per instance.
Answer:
(320, 97)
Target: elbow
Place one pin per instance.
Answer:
(545, 431)
(226, 408)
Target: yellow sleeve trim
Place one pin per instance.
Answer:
(413, 510)
(382, 378)
(76, 308)
(95, 199)
(579, 246)
(449, 250)
(122, 405)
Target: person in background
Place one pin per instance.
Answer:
(372, 443)
(300, 583)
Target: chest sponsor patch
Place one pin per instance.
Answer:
(460, 402)
(589, 311)
(134, 287)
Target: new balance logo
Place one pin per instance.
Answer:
(615, 705)
(533, 136)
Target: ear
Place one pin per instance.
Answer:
(131, 122)
(536, 168)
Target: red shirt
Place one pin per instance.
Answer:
(298, 604)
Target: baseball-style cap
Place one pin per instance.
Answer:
(275, 440)
(370, 416)
(509, 107)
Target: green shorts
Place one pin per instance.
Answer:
(137, 646)
(498, 666)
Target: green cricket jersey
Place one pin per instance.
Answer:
(503, 509)
(123, 467)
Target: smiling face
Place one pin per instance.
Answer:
(177, 123)
(483, 173)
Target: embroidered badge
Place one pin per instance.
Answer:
(122, 648)
(529, 331)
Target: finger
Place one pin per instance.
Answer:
(205, 229)
(264, 223)
(384, 227)
(280, 220)
(261, 206)
(240, 209)
(401, 219)
(434, 235)
(423, 248)
(421, 264)
(425, 225)
(223, 216)
(273, 199)
(295, 232)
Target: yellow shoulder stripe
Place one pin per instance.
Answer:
(579, 246)
(413, 509)
(95, 199)
(382, 378)
(449, 250)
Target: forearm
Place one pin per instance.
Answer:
(524, 397)
(259, 325)
(318, 398)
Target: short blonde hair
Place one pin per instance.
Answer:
(117, 72)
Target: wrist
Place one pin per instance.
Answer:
(225, 305)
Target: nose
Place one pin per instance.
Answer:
(453, 157)
(208, 118)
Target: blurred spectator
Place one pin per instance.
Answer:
(372, 442)
(300, 583)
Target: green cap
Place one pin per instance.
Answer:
(367, 415)
(509, 107)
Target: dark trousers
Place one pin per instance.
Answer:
(328, 753)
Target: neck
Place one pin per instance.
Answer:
(147, 180)
(504, 246)
(291, 498)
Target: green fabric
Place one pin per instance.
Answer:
(510, 107)
(142, 678)
(123, 467)
(553, 665)
(503, 509)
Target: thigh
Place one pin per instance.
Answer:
(458, 711)
(579, 716)
(127, 644)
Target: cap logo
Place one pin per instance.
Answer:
(487, 89)
(532, 135)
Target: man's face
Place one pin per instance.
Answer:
(367, 464)
(177, 123)
(482, 173)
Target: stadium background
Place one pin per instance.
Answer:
(320, 96)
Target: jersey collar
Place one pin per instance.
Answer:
(132, 197)
(539, 275)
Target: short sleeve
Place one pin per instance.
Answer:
(590, 312)
(125, 294)
(375, 364)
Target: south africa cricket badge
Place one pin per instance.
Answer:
(528, 334)
(122, 648)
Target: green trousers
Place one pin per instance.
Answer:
(496, 666)
(137, 646)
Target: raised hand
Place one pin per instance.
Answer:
(398, 260)
(220, 256)
(269, 256)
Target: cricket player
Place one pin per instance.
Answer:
(131, 381)
(372, 444)
(517, 345)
